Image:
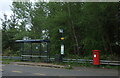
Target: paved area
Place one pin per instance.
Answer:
(39, 64)
(24, 70)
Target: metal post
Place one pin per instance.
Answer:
(40, 51)
(62, 44)
(22, 51)
(48, 50)
(48, 54)
(31, 52)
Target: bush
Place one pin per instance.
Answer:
(68, 67)
(7, 52)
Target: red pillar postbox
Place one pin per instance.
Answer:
(96, 57)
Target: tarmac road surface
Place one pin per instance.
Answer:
(22, 70)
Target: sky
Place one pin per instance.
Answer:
(5, 8)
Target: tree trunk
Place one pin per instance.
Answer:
(73, 30)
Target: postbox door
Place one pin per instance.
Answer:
(95, 58)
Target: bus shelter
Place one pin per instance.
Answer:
(34, 50)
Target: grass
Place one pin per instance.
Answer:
(68, 67)
(109, 67)
(5, 61)
(8, 61)
(71, 65)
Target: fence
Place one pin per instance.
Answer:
(102, 62)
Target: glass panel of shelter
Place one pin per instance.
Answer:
(34, 51)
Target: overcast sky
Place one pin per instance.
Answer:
(5, 8)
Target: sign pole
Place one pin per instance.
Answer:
(62, 44)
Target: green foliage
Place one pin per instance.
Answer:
(68, 67)
(7, 52)
(87, 26)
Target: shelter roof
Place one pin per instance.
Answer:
(31, 41)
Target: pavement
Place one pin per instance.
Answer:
(39, 64)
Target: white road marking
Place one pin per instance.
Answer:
(17, 71)
(40, 74)
(1, 69)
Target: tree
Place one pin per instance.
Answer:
(87, 26)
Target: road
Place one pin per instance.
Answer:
(21, 70)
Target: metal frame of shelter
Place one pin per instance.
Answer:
(31, 53)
